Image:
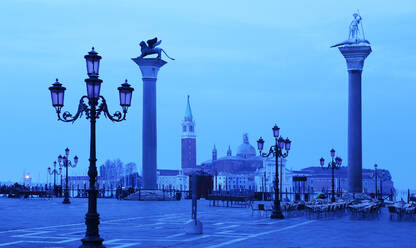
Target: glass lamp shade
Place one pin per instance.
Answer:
(93, 63)
(332, 153)
(276, 130)
(59, 159)
(340, 161)
(93, 87)
(67, 151)
(322, 161)
(57, 94)
(281, 143)
(49, 169)
(125, 95)
(76, 159)
(375, 166)
(287, 144)
(260, 144)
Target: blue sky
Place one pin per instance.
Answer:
(246, 65)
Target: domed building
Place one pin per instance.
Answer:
(234, 172)
(246, 150)
(245, 161)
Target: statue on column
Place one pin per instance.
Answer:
(354, 30)
(151, 48)
(354, 33)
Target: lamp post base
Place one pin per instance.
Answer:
(66, 201)
(276, 215)
(193, 228)
(92, 242)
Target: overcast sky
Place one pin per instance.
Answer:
(246, 64)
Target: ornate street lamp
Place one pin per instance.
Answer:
(92, 108)
(382, 176)
(375, 179)
(54, 172)
(277, 150)
(65, 162)
(333, 165)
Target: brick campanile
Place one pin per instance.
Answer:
(188, 139)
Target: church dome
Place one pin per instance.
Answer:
(246, 150)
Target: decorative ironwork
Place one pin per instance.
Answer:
(279, 150)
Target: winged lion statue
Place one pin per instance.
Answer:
(150, 47)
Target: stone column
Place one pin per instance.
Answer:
(354, 56)
(149, 68)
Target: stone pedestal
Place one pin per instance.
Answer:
(354, 56)
(193, 228)
(149, 68)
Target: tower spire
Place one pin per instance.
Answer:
(229, 153)
(188, 112)
(214, 153)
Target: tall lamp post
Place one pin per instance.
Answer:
(65, 162)
(383, 177)
(54, 172)
(277, 151)
(93, 104)
(375, 180)
(333, 165)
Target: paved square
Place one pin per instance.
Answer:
(49, 223)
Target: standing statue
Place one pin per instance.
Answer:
(354, 33)
(151, 48)
(354, 27)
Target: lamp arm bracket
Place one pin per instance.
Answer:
(67, 116)
(116, 117)
(265, 155)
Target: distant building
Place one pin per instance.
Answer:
(266, 175)
(234, 172)
(172, 179)
(245, 161)
(230, 181)
(188, 140)
(320, 180)
(82, 182)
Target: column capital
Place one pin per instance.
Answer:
(355, 56)
(149, 66)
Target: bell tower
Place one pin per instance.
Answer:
(188, 139)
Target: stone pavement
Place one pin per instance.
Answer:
(49, 223)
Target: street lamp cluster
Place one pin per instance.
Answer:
(55, 172)
(92, 105)
(66, 163)
(382, 176)
(333, 165)
(279, 150)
